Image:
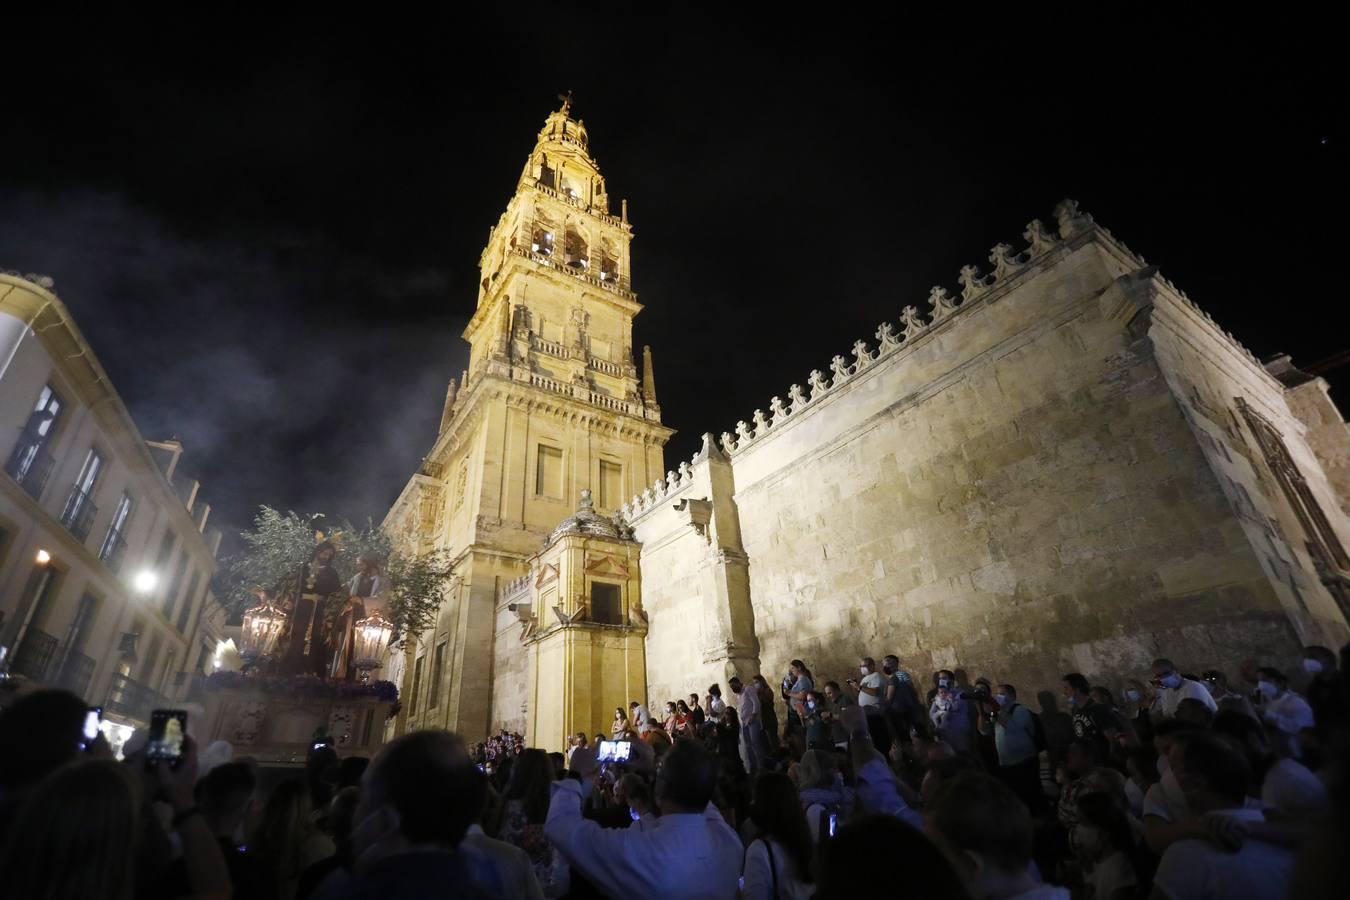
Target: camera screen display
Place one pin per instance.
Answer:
(615, 751)
(168, 727)
(91, 720)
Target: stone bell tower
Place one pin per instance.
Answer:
(582, 626)
(551, 404)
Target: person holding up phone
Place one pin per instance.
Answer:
(633, 862)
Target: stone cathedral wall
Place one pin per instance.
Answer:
(1019, 486)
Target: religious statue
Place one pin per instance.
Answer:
(306, 598)
(364, 595)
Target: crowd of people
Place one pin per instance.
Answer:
(1174, 785)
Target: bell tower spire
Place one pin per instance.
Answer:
(552, 404)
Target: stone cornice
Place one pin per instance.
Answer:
(520, 395)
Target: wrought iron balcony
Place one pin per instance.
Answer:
(76, 673)
(130, 698)
(114, 550)
(30, 463)
(79, 513)
(35, 654)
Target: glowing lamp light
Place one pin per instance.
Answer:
(262, 624)
(145, 581)
(43, 557)
(372, 637)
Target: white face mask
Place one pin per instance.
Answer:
(864, 669)
(943, 683)
(1132, 696)
(1171, 681)
(1312, 666)
(1267, 688)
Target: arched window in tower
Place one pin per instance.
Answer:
(546, 175)
(541, 239)
(609, 262)
(575, 252)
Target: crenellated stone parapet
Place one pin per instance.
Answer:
(1008, 266)
(674, 482)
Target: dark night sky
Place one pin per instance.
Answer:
(269, 230)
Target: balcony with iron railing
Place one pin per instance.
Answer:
(114, 551)
(128, 697)
(79, 513)
(579, 272)
(76, 673)
(30, 464)
(35, 654)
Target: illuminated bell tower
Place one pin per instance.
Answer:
(551, 404)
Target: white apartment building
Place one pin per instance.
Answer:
(105, 560)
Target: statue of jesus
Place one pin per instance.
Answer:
(306, 597)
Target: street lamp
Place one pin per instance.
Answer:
(145, 580)
(43, 557)
(372, 636)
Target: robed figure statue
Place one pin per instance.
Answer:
(364, 594)
(307, 595)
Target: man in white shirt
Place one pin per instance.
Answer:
(713, 704)
(1172, 689)
(752, 729)
(689, 837)
(1214, 775)
(1284, 711)
(872, 698)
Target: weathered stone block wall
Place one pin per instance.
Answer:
(1020, 496)
(512, 678)
(1213, 378)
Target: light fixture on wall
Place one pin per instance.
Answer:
(43, 557)
(145, 581)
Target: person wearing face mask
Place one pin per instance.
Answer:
(1136, 701)
(903, 711)
(1284, 712)
(1214, 775)
(1017, 746)
(872, 698)
(1173, 688)
(950, 715)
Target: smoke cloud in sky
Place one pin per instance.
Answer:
(300, 394)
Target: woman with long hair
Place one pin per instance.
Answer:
(778, 861)
(524, 809)
(286, 840)
(77, 836)
(620, 724)
(684, 718)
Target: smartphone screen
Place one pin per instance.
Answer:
(834, 820)
(91, 720)
(168, 728)
(614, 751)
